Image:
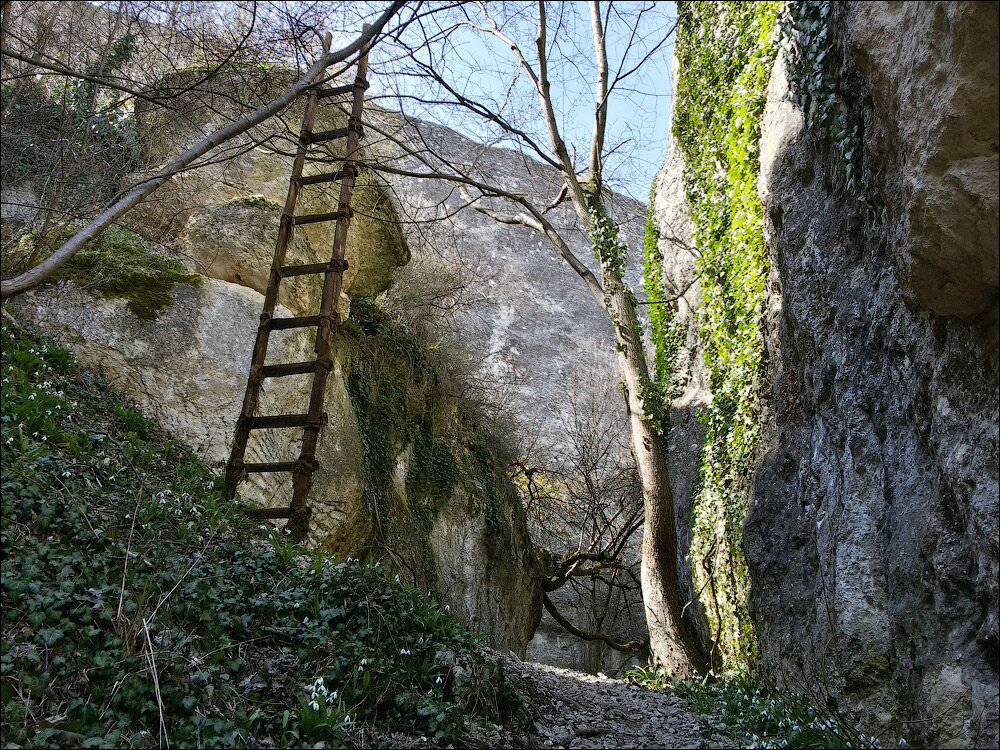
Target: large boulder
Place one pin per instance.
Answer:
(932, 71)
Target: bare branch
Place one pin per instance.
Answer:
(583, 635)
(60, 257)
(601, 94)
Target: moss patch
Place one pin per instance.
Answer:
(116, 264)
(258, 202)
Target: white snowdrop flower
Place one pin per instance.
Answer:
(404, 652)
(305, 621)
(447, 609)
(334, 695)
(438, 681)
(329, 700)
(314, 705)
(397, 578)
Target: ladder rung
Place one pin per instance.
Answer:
(265, 468)
(281, 324)
(335, 91)
(318, 179)
(278, 466)
(289, 368)
(325, 135)
(314, 218)
(287, 271)
(263, 513)
(279, 421)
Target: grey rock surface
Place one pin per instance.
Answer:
(872, 538)
(931, 71)
(538, 331)
(539, 328)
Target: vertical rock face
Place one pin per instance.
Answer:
(539, 330)
(872, 536)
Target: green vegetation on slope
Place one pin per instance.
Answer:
(752, 714)
(725, 53)
(138, 608)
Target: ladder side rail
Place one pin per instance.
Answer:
(286, 231)
(332, 284)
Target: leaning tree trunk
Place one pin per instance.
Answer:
(669, 642)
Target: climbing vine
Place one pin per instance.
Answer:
(666, 330)
(612, 253)
(725, 53)
(815, 84)
(398, 404)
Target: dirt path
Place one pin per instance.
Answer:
(581, 710)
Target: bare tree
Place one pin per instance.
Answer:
(531, 96)
(98, 66)
(585, 517)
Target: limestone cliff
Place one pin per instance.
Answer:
(871, 535)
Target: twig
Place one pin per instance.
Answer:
(164, 741)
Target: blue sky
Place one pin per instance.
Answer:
(483, 68)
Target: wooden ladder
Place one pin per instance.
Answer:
(325, 322)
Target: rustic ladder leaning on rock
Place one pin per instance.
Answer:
(325, 323)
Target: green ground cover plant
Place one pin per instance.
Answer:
(752, 714)
(139, 609)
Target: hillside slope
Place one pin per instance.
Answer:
(138, 609)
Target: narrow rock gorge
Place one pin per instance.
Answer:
(817, 282)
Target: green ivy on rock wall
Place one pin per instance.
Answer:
(725, 52)
(399, 404)
(666, 330)
(815, 84)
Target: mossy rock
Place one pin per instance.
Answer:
(116, 264)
